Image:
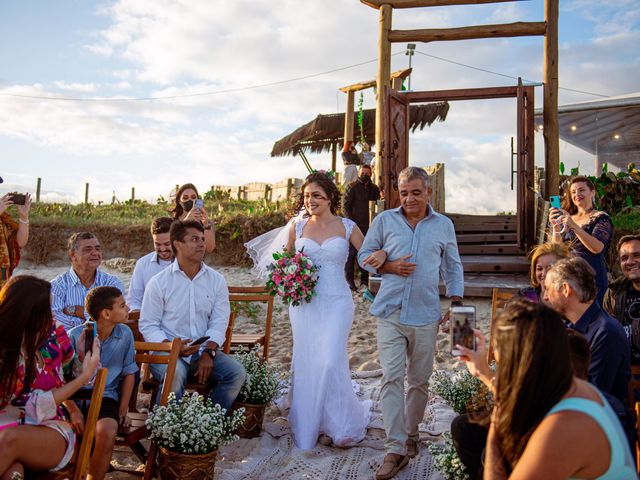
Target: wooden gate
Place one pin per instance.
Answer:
(395, 147)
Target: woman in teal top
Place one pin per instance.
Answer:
(546, 422)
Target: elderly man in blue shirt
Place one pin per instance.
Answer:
(69, 289)
(420, 246)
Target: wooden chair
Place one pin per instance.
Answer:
(132, 435)
(134, 318)
(499, 298)
(633, 388)
(250, 340)
(77, 468)
(637, 412)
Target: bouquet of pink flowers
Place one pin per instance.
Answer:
(293, 276)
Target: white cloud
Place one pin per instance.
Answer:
(172, 48)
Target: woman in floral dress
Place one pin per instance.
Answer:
(35, 433)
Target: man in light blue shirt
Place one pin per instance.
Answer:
(152, 263)
(420, 246)
(69, 289)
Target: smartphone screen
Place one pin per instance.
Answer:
(554, 200)
(463, 322)
(88, 337)
(199, 341)
(199, 203)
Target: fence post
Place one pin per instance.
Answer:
(133, 194)
(38, 185)
(267, 192)
(86, 193)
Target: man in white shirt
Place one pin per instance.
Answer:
(189, 300)
(152, 263)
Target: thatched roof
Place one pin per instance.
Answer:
(322, 132)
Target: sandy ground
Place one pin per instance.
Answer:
(362, 347)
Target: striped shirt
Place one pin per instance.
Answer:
(68, 291)
(433, 248)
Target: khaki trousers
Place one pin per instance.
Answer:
(410, 349)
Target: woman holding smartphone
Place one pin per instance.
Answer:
(588, 231)
(13, 235)
(189, 206)
(35, 432)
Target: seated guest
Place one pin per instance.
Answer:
(189, 300)
(542, 257)
(152, 263)
(108, 310)
(622, 298)
(69, 289)
(547, 423)
(34, 431)
(469, 434)
(570, 290)
(184, 209)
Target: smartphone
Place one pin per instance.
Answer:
(463, 322)
(89, 334)
(17, 198)
(554, 200)
(199, 203)
(199, 341)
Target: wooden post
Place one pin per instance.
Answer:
(290, 187)
(348, 117)
(133, 194)
(38, 185)
(86, 193)
(383, 80)
(550, 101)
(396, 84)
(334, 156)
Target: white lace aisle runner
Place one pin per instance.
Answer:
(273, 455)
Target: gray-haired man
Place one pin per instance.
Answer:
(68, 290)
(420, 246)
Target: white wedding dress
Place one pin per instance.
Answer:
(322, 396)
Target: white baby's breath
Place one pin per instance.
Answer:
(264, 382)
(193, 425)
(446, 460)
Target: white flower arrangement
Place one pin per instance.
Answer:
(446, 460)
(462, 391)
(264, 382)
(193, 425)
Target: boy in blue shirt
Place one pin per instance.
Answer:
(109, 311)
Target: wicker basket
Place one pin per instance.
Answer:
(178, 466)
(254, 415)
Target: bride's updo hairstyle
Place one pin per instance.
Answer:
(325, 182)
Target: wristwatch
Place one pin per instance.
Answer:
(211, 352)
(456, 303)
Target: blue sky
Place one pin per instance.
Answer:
(135, 48)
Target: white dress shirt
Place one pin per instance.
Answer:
(146, 268)
(174, 306)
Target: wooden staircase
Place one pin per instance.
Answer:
(488, 244)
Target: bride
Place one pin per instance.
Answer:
(323, 402)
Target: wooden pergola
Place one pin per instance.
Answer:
(548, 28)
(396, 82)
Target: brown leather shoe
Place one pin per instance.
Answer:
(391, 465)
(412, 448)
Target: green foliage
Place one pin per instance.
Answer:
(461, 391)
(247, 309)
